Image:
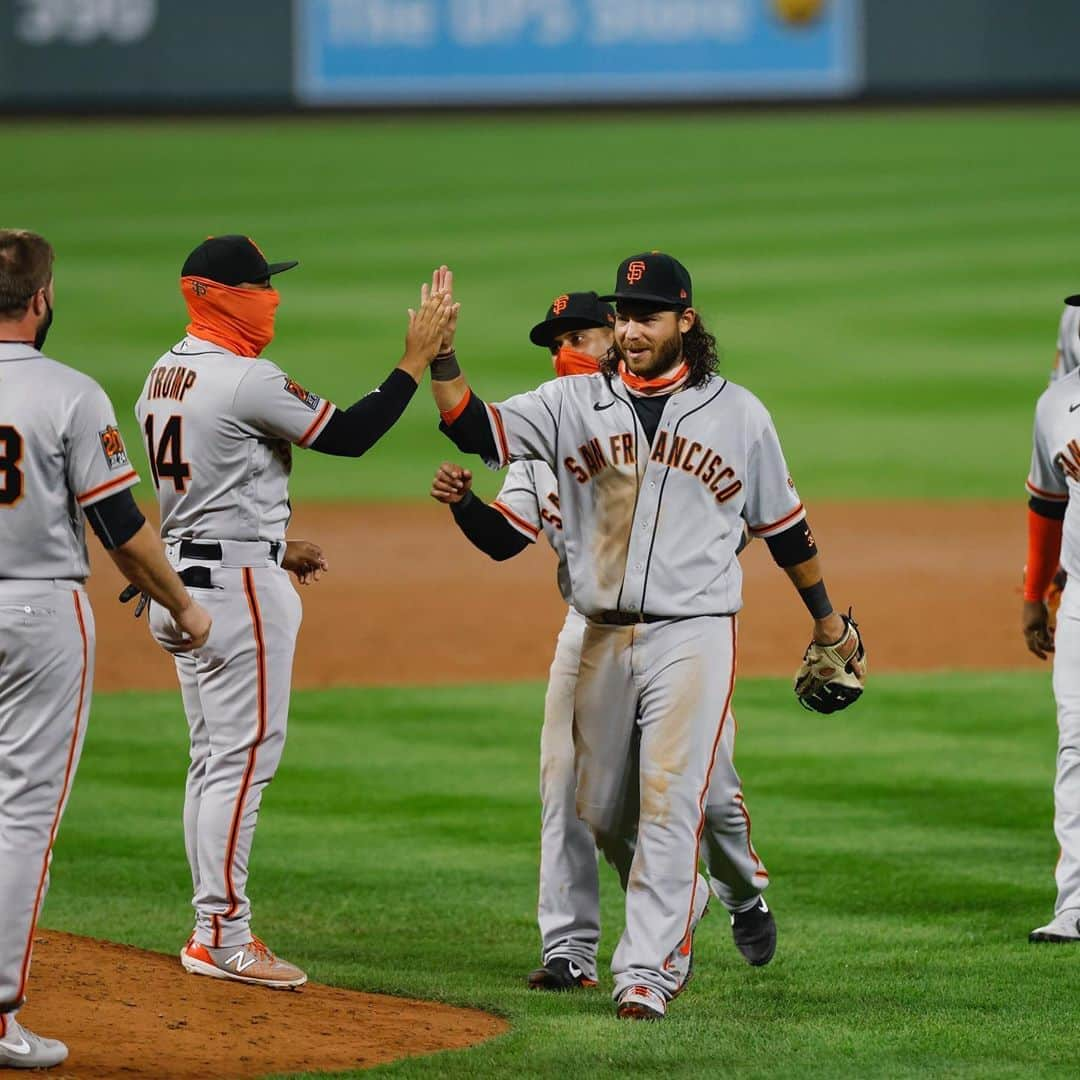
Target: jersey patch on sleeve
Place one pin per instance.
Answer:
(298, 392)
(112, 446)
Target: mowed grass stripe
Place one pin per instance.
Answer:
(887, 282)
(909, 842)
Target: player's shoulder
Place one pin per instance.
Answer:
(1065, 388)
(732, 396)
(67, 382)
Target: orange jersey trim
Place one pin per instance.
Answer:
(1044, 548)
(452, 414)
(249, 770)
(1040, 494)
(320, 421)
(761, 530)
(69, 771)
(500, 434)
(104, 489)
(519, 523)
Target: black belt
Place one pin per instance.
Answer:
(628, 618)
(210, 551)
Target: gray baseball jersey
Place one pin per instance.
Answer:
(1068, 343)
(219, 429)
(655, 528)
(529, 500)
(59, 450)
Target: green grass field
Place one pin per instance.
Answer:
(889, 283)
(909, 842)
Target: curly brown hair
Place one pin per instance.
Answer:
(698, 350)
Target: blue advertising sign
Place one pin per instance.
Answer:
(454, 52)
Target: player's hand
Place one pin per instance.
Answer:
(194, 622)
(427, 325)
(830, 631)
(305, 559)
(1035, 623)
(451, 484)
(442, 281)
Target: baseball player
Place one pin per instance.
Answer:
(62, 463)
(577, 330)
(659, 462)
(1053, 532)
(220, 422)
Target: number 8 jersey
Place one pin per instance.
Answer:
(59, 451)
(218, 430)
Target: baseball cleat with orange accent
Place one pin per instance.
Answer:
(641, 1003)
(251, 963)
(754, 932)
(560, 973)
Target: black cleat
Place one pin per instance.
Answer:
(754, 932)
(560, 973)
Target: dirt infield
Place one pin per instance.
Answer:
(408, 600)
(138, 1015)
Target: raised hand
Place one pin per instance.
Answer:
(427, 325)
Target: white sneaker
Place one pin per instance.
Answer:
(1062, 929)
(641, 1003)
(22, 1049)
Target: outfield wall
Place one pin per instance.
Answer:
(139, 55)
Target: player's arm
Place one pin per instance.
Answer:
(1048, 499)
(484, 526)
(271, 403)
(353, 431)
(137, 552)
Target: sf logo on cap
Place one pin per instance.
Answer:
(635, 271)
(558, 305)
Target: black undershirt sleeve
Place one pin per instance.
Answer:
(471, 430)
(115, 519)
(355, 430)
(487, 529)
(792, 546)
(1048, 508)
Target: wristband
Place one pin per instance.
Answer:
(444, 368)
(816, 600)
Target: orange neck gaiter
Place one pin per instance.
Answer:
(571, 362)
(240, 320)
(665, 384)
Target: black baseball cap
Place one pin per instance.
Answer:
(655, 279)
(1073, 301)
(231, 260)
(572, 311)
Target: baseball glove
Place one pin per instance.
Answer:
(831, 677)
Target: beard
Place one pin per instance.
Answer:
(43, 327)
(665, 356)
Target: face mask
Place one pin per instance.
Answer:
(571, 362)
(240, 320)
(43, 329)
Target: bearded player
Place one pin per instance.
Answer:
(220, 422)
(660, 461)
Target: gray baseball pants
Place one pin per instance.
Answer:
(236, 696)
(46, 680)
(654, 739)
